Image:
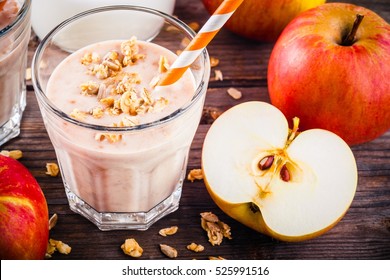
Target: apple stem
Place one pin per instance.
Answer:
(350, 38)
(294, 131)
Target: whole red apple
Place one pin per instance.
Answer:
(331, 68)
(263, 20)
(24, 217)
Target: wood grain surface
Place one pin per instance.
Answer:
(364, 232)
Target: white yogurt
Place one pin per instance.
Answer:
(47, 14)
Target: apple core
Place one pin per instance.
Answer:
(289, 185)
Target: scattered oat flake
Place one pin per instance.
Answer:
(89, 58)
(209, 217)
(153, 83)
(129, 121)
(163, 64)
(53, 221)
(110, 137)
(132, 248)
(15, 154)
(97, 112)
(168, 231)
(52, 169)
(218, 75)
(195, 247)
(216, 258)
(216, 229)
(169, 251)
(89, 88)
(28, 74)
(50, 250)
(77, 114)
(59, 246)
(195, 174)
(235, 93)
(214, 61)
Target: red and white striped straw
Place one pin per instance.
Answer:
(200, 41)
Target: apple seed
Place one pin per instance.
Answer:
(285, 174)
(266, 162)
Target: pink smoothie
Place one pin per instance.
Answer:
(128, 171)
(12, 62)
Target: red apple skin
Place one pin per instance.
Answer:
(24, 218)
(344, 89)
(263, 20)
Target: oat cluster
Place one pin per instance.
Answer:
(52, 169)
(15, 154)
(195, 174)
(56, 245)
(132, 248)
(216, 229)
(116, 90)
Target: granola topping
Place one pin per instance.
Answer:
(118, 89)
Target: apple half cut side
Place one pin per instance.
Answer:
(289, 185)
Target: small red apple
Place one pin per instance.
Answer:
(331, 68)
(263, 20)
(24, 217)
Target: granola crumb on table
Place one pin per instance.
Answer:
(216, 229)
(132, 248)
(15, 154)
(168, 251)
(168, 231)
(52, 169)
(195, 174)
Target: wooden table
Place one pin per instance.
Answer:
(364, 233)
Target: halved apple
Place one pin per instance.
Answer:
(289, 185)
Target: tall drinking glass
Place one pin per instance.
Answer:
(135, 179)
(15, 30)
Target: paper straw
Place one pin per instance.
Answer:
(200, 41)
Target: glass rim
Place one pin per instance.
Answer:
(44, 100)
(22, 13)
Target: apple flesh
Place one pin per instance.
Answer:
(331, 81)
(288, 185)
(263, 20)
(24, 218)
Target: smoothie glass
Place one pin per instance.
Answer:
(133, 185)
(14, 37)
